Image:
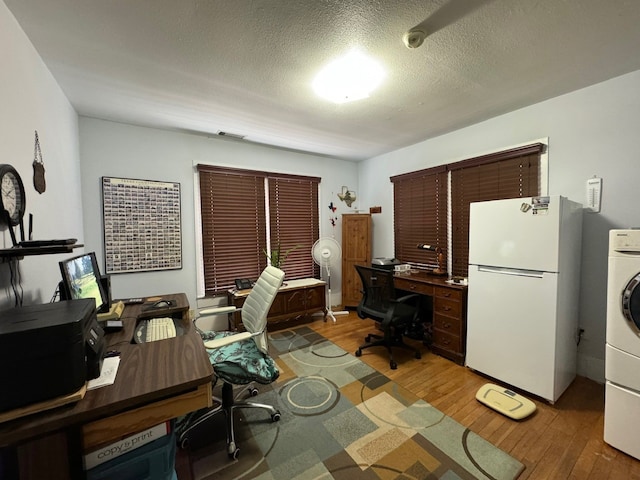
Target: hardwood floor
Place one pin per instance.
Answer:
(560, 441)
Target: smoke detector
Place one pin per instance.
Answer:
(414, 38)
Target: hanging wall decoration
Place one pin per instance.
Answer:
(347, 196)
(39, 182)
(333, 219)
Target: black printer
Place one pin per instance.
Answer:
(385, 263)
(47, 351)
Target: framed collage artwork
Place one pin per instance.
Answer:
(141, 225)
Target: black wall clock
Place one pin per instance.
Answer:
(12, 197)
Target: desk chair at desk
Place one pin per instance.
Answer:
(240, 358)
(394, 315)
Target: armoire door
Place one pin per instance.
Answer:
(356, 250)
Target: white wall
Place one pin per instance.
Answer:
(32, 100)
(118, 150)
(592, 131)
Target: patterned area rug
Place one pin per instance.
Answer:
(342, 420)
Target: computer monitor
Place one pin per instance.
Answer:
(81, 279)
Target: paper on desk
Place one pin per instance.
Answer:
(107, 374)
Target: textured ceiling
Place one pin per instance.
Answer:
(246, 66)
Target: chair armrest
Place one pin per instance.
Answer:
(221, 342)
(218, 310)
(406, 298)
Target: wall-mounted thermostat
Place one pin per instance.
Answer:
(594, 194)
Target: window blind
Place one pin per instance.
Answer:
(420, 215)
(233, 226)
(294, 222)
(421, 211)
(508, 174)
(234, 223)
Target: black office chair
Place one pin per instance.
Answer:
(395, 315)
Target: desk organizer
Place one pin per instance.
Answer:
(402, 268)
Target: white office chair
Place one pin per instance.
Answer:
(240, 358)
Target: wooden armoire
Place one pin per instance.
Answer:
(356, 250)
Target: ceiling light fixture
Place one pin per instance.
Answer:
(349, 78)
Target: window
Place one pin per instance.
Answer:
(239, 208)
(510, 174)
(420, 214)
(294, 222)
(419, 198)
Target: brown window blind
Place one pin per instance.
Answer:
(420, 201)
(234, 223)
(232, 207)
(294, 222)
(420, 214)
(508, 174)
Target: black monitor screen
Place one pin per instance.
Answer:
(81, 279)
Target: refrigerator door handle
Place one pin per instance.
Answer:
(511, 271)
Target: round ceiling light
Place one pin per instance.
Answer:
(349, 78)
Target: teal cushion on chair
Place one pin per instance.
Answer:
(241, 362)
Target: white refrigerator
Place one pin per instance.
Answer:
(524, 276)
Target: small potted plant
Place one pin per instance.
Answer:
(278, 257)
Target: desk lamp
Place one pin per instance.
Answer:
(439, 254)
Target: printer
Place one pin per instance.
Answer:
(48, 351)
(385, 263)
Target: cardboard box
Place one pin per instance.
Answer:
(126, 445)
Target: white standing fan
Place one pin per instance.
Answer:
(326, 253)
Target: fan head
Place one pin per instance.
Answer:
(326, 251)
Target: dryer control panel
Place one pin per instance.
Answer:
(624, 241)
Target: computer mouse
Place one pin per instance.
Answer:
(162, 304)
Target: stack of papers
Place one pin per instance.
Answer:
(107, 374)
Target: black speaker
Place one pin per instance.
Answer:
(105, 280)
(64, 293)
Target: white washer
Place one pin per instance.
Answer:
(622, 355)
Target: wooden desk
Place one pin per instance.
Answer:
(294, 304)
(155, 382)
(449, 311)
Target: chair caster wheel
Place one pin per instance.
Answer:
(253, 391)
(367, 339)
(233, 451)
(358, 353)
(275, 417)
(393, 365)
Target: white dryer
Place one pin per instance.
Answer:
(622, 356)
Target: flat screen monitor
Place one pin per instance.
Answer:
(81, 279)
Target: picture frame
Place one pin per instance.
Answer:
(141, 225)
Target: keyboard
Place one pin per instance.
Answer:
(155, 329)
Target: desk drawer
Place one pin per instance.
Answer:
(449, 293)
(447, 341)
(451, 325)
(414, 287)
(447, 306)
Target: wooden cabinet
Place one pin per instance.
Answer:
(356, 250)
(449, 327)
(296, 301)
